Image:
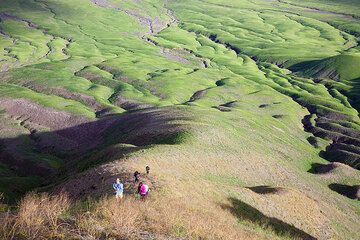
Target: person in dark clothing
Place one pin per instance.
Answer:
(137, 176)
(139, 187)
(147, 170)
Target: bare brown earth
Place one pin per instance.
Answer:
(174, 55)
(64, 93)
(129, 104)
(46, 117)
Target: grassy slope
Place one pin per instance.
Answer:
(249, 146)
(290, 29)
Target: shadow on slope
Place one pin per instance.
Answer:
(266, 189)
(245, 212)
(341, 130)
(343, 69)
(340, 67)
(354, 93)
(40, 158)
(352, 192)
(318, 168)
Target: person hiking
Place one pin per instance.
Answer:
(137, 176)
(147, 170)
(119, 189)
(143, 190)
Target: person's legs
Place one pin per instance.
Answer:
(119, 196)
(143, 196)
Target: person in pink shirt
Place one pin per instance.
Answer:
(143, 190)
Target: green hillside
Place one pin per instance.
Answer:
(341, 67)
(340, 74)
(246, 111)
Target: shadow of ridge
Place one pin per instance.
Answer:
(39, 159)
(246, 212)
